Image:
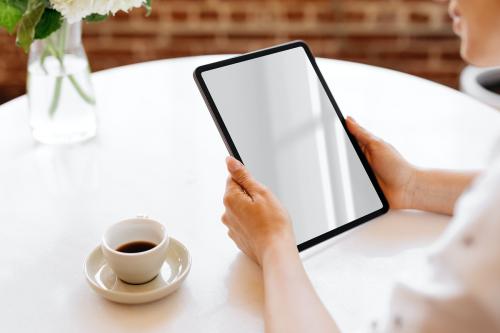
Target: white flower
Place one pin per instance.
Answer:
(113, 6)
(75, 10)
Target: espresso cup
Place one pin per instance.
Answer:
(140, 264)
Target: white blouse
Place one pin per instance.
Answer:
(459, 290)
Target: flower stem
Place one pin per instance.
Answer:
(58, 53)
(79, 90)
(56, 96)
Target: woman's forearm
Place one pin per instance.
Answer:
(438, 190)
(291, 304)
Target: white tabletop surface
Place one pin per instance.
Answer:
(159, 153)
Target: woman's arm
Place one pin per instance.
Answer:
(292, 305)
(438, 190)
(261, 228)
(405, 186)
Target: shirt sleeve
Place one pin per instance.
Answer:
(459, 288)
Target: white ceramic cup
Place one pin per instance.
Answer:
(140, 267)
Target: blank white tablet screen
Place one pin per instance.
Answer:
(290, 138)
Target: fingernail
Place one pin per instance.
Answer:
(233, 164)
(352, 119)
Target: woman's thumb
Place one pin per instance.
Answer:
(361, 135)
(241, 175)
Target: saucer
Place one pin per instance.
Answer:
(104, 281)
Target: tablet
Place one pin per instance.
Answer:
(276, 115)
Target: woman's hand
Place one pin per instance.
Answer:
(395, 175)
(261, 228)
(256, 220)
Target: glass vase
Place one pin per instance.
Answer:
(60, 93)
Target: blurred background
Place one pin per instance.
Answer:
(412, 36)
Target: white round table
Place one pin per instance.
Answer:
(158, 153)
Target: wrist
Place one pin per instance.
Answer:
(415, 188)
(412, 188)
(277, 249)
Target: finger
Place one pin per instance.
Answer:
(235, 195)
(363, 136)
(230, 186)
(230, 221)
(226, 219)
(236, 239)
(243, 246)
(242, 176)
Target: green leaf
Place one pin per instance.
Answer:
(9, 16)
(95, 17)
(19, 4)
(147, 5)
(51, 21)
(28, 22)
(11, 12)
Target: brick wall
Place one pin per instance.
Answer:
(413, 36)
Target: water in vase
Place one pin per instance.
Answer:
(61, 99)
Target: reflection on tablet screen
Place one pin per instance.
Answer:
(290, 138)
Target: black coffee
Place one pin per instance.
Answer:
(134, 247)
(494, 87)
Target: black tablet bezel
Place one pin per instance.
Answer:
(234, 152)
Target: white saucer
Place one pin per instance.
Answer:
(105, 282)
